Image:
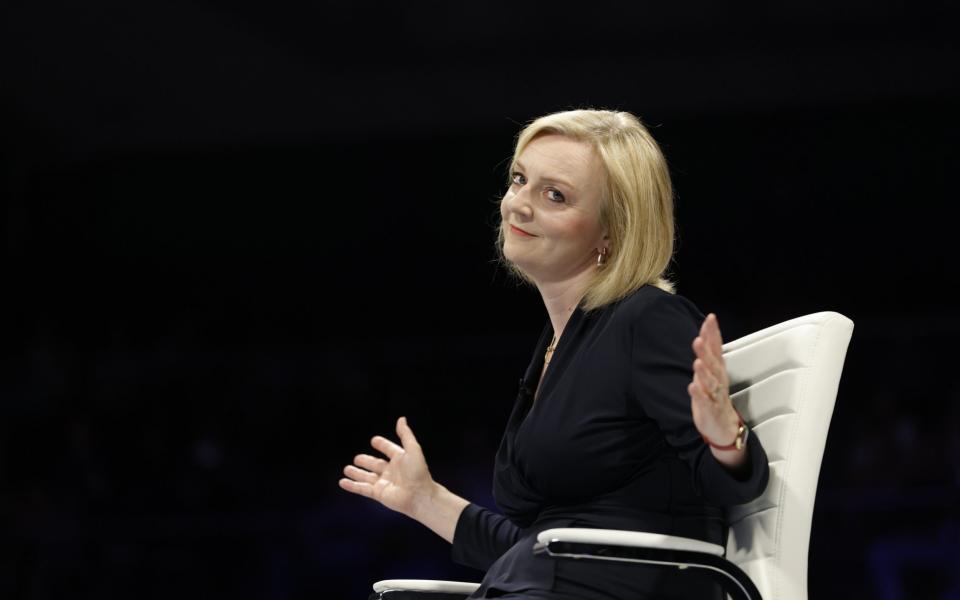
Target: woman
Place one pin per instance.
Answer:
(624, 419)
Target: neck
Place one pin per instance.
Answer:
(561, 299)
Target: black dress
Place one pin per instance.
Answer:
(609, 443)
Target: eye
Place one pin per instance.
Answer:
(518, 178)
(555, 196)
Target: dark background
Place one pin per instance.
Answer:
(242, 238)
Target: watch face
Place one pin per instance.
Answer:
(742, 436)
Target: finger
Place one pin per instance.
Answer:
(406, 434)
(712, 362)
(359, 475)
(363, 489)
(704, 375)
(712, 375)
(699, 346)
(390, 449)
(370, 463)
(705, 387)
(713, 337)
(705, 348)
(698, 399)
(708, 329)
(704, 351)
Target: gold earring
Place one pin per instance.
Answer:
(602, 257)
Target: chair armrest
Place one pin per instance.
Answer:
(618, 537)
(650, 549)
(428, 589)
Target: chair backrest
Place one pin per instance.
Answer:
(784, 382)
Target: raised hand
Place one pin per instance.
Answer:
(401, 482)
(713, 412)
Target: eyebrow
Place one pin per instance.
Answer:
(547, 178)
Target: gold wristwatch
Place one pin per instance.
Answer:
(739, 442)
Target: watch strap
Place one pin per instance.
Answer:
(738, 443)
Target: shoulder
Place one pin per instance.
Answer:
(660, 326)
(649, 306)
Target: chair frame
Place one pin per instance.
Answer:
(729, 576)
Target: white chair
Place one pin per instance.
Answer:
(784, 382)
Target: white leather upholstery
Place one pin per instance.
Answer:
(784, 381)
(617, 537)
(425, 585)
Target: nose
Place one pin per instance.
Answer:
(518, 203)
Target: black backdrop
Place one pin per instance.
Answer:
(241, 239)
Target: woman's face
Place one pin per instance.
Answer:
(551, 212)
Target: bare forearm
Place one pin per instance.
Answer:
(439, 511)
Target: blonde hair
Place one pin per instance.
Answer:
(636, 207)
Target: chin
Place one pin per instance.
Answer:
(520, 263)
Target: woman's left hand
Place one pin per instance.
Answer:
(713, 412)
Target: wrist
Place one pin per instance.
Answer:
(439, 510)
(425, 501)
(738, 436)
(734, 461)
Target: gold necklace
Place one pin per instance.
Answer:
(549, 353)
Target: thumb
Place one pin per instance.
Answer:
(407, 438)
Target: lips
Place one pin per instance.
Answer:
(519, 231)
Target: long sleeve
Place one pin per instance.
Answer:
(664, 328)
(482, 536)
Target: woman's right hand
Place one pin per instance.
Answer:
(401, 483)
